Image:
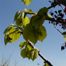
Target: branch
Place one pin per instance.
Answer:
(45, 61)
(32, 45)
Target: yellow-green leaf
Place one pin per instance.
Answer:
(25, 21)
(34, 54)
(27, 2)
(21, 19)
(22, 44)
(26, 51)
(11, 34)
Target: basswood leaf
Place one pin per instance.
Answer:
(27, 2)
(29, 33)
(17, 15)
(41, 33)
(11, 34)
(36, 21)
(21, 19)
(23, 53)
(34, 33)
(25, 21)
(10, 28)
(30, 54)
(34, 54)
(29, 47)
(22, 44)
(43, 11)
(7, 39)
(26, 51)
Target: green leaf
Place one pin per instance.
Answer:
(34, 54)
(7, 39)
(29, 47)
(26, 51)
(17, 15)
(23, 53)
(21, 19)
(43, 12)
(11, 34)
(22, 44)
(29, 33)
(34, 33)
(26, 21)
(41, 33)
(27, 2)
(29, 52)
(36, 21)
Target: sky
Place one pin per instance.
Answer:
(49, 48)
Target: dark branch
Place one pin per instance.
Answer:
(32, 45)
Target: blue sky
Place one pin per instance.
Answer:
(49, 48)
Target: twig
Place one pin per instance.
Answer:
(32, 45)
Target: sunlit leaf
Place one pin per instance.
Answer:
(27, 2)
(29, 47)
(21, 19)
(11, 34)
(22, 44)
(26, 21)
(34, 54)
(26, 51)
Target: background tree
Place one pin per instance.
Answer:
(30, 26)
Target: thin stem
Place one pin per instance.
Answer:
(32, 45)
